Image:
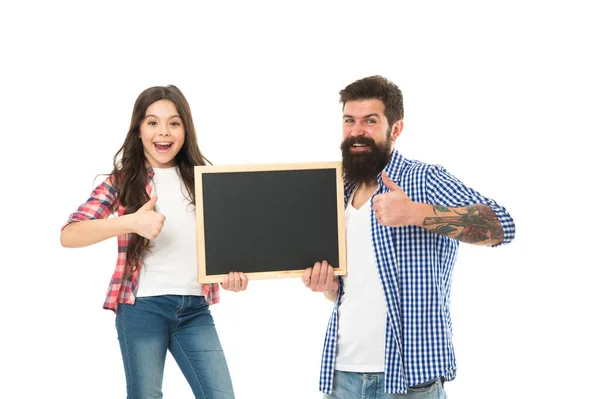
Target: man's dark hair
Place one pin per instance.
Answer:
(380, 88)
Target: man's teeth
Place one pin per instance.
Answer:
(358, 145)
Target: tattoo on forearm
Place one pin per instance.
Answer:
(471, 224)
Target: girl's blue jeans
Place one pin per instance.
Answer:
(182, 325)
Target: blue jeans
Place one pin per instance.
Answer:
(348, 385)
(184, 326)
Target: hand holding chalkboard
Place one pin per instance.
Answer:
(235, 281)
(320, 278)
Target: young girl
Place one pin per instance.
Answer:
(154, 291)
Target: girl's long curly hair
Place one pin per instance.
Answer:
(129, 163)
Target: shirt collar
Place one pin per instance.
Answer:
(393, 167)
(149, 169)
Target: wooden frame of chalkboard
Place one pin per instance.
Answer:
(269, 220)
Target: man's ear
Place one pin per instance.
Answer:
(397, 129)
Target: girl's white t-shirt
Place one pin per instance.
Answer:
(170, 265)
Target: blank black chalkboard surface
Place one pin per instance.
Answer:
(270, 220)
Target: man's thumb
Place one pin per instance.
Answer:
(149, 206)
(389, 183)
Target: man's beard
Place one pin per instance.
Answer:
(364, 166)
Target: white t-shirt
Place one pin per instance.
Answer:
(362, 311)
(170, 265)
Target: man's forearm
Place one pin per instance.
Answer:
(473, 224)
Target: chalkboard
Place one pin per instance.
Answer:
(269, 221)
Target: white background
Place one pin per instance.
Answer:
(505, 95)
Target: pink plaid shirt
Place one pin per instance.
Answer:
(98, 206)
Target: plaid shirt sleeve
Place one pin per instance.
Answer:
(445, 189)
(98, 206)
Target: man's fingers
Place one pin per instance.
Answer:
(320, 277)
(323, 275)
(389, 183)
(330, 275)
(314, 278)
(306, 276)
(244, 281)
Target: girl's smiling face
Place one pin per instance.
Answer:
(162, 134)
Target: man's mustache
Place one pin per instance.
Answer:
(350, 141)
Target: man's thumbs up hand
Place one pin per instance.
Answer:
(393, 208)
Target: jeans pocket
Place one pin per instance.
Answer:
(425, 387)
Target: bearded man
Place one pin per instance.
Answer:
(390, 333)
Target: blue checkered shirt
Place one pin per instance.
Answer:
(415, 268)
